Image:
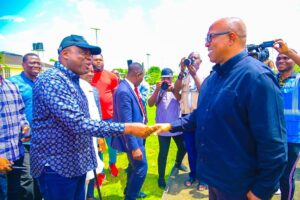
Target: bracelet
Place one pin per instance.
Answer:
(180, 76)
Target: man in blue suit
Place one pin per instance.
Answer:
(128, 107)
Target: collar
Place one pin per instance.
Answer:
(130, 83)
(23, 75)
(229, 64)
(69, 73)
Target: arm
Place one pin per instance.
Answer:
(283, 48)
(124, 106)
(193, 73)
(267, 126)
(152, 99)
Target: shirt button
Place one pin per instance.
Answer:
(202, 128)
(206, 109)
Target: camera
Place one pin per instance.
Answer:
(165, 85)
(260, 52)
(188, 62)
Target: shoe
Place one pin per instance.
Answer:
(100, 177)
(278, 192)
(141, 195)
(181, 167)
(113, 170)
(161, 183)
(202, 187)
(189, 182)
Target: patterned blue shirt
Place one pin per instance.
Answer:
(62, 130)
(25, 86)
(12, 120)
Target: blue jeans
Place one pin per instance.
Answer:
(56, 187)
(137, 171)
(112, 153)
(3, 187)
(287, 181)
(14, 191)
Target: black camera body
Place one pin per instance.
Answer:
(188, 62)
(165, 85)
(260, 52)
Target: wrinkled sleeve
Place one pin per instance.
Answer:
(58, 99)
(268, 129)
(186, 123)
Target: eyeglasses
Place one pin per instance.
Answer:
(285, 58)
(210, 36)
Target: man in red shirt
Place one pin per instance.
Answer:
(106, 82)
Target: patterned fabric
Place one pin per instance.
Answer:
(62, 129)
(12, 119)
(25, 86)
(140, 102)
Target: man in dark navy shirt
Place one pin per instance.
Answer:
(239, 122)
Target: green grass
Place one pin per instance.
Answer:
(112, 188)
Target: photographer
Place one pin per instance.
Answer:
(188, 84)
(167, 110)
(289, 83)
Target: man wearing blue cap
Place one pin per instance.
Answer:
(167, 110)
(62, 151)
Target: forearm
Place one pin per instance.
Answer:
(197, 81)
(152, 99)
(294, 56)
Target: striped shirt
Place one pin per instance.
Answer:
(12, 120)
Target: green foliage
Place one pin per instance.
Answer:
(153, 75)
(122, 72)
(297, 68)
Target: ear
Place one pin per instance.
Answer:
(65, 54)
(232, 37)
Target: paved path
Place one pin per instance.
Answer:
(177, 191)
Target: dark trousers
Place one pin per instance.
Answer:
(287, 181)
(56, 187)
(14, 182)
(164, 144)
(216, 194)
(190, 145)
(3, 187)
(137, 170)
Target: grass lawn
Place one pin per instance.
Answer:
(112, 188)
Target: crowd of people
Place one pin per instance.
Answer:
(239, 126)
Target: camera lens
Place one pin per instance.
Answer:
(164, 86)
(188, 62)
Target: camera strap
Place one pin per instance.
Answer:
(160, 96)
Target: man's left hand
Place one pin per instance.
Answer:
(252, 196)
(139, 129)
(25, 130)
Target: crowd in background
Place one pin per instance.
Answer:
(239, 126)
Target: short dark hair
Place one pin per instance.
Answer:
(135, 68)
(25, 57)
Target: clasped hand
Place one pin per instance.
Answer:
(143, 131)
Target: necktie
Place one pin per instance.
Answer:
(140, 102)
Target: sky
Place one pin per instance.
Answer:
(166, 30)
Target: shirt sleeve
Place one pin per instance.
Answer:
(61, 103)
(186, 123)
(266, 120)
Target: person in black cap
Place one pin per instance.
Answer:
(62, 151)
(167, 110)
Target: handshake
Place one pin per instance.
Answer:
(143, 131)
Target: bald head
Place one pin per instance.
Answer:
(226, 37)
(135, 73)
(236, 25)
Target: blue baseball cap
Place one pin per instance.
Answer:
(166, 72)
(79, 41)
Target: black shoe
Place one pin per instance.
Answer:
(161, 183)
(141, 195)
(181, 167)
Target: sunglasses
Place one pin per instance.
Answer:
(210, 36)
